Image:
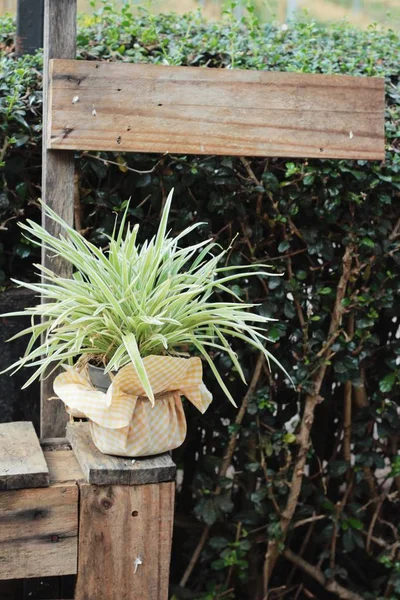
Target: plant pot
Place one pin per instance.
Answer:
(123, 421)
(98, 378)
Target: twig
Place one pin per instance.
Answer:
(106, 161)
(378, 499)
(309, 520)
(252, 176)
(348, 404)
(232, 567)
(4, 149)
(303, 438)
(303, 548)
(226, 461)
(338, 511)
(225, 593)
(284, 256)
(372, 525)
(396, 231)
(249, 170)
(328, 344)
(299, 310)
(331, 586)
(239, 417)
(301, 586)
(195, 557)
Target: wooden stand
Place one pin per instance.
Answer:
(109, 520)
(115, 536)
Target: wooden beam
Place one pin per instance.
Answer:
(101, 469)
(57, 179)
(39, 527)
(148, 108)
(125, 535)
(22, 464)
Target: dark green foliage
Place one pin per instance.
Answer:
(298, 216)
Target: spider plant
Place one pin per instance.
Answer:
(133, 300)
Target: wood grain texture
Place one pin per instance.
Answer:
(39, 527)
(125, 524)
(63, 467)
(102, 469)
(57, 178)
(54, 444)
(22, 464)
(149, 108)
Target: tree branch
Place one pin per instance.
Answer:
(348, 388)
(303, 438)
(331, 586)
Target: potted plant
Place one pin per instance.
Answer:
(123, 325)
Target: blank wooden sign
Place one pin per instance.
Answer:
(186, 110)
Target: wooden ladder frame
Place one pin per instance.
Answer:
(96, 518)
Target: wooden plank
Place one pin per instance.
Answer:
(57, 179)
(130, 528)
(149, 108)
(22, 464)
(63, 466)
(39, 527)
(102, 469)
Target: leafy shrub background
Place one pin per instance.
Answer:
(314, 220)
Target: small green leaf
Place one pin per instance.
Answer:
(283, 246)
(337, 468)
(368, 242)
(386, 384)
(325, 291)
(355, 523)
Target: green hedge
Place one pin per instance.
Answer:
(300, 216)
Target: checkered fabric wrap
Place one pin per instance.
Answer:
(122, 420)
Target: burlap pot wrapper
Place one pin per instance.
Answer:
(123, 421)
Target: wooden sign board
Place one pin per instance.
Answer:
(188, 110)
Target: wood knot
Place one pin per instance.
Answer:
(106, 504)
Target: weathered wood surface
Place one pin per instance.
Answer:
(39, 527)
(102, 469)
(125, 542)
(57, 179)
(22, 464)
(148, 108)
(63, 467)
(54, 444)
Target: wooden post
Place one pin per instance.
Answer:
(125, 536)
(29, 26)
(125, 531)
(57, 178)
